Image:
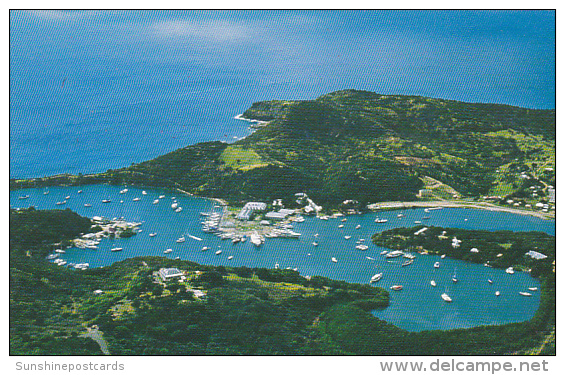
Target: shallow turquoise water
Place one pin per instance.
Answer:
(417, 307)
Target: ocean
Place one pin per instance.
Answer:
(91, 91)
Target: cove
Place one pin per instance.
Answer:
(417, 307)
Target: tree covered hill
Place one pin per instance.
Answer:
(367, 147)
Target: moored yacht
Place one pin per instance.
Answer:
(116, 249)
(525, 294)
(168, 251)
(362, 247)
(394, 254)
(407, 263)
(433, 283)
(376, 277)
(152, 234)
(396, 287)
(156, 201)
(380, 221)
(436, 265)
(181, 239)
(334, 260)
(446, 297)
(510, 270)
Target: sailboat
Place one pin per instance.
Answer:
(454, 277)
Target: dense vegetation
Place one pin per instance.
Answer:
(244, 311)
(361, 146)
(500, 249)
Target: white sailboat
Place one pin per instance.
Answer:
(376, 277)
(433, 283)
(454, 277)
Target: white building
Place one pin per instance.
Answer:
(249, 208)
(169, 273)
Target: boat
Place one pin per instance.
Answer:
(161, 196)
(168, 251)
(380, 221)
(61, 203)
(174, 205)
(136, 199)
(24, 197)
(369, 258)
(256, 239)
(417, 222)
(277, 266)
(152, 234)
(334, 260)
(436, 265)
(315, 243)
(396, 287)
(299, 219)
(497, 293)
(52, 256)
(181, 239)
(446, 298)
(62, 263)
(179, 209)
(60, 251)
(79, 192)
(376, 277)
(194, 237)
(68, 197)
(87, 205)
(144, 192)
(362, 247)
(510, 270)
(243, 239)
(489, 281)
(205, 248)
(46, 192)
(525, 294)
(106, 201)
(407, 263)
(121, 201)
(400, 216)
(347, 237)
(409, 256)
(218, 252)
(384, 252)
(454, 277)
(156, 201)
(123, 191)
(443, 256)
(358, 226)
(340, 226)
(343, 220)
(394, 254)
(426, 210)
(533, 289)
(116, 249)
(433, 283)
(316, 235)
(230, 257)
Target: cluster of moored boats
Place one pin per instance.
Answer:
(397, 253)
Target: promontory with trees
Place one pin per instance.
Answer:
(362, 146)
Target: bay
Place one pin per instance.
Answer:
(417, 307)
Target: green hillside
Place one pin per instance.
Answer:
(367, 147)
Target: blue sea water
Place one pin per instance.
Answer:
(417, 307)
(95, 90)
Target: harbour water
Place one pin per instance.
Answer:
(417, 307)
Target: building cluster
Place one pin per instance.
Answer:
(249, 208)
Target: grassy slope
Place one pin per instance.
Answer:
(365, 146)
